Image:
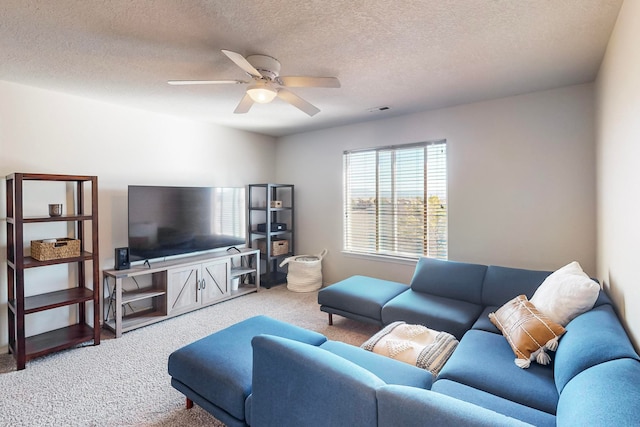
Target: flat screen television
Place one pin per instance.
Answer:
(168, 221)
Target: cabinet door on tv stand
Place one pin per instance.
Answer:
(183, 285)
(215, 280)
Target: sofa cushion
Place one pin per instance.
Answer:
(410, 407)
(434, 312)
(604, 395)
(528, 332)
(483, 323)
(501, 284)
(566, 293)
(494, 403)
(457, 280)
(484, 360)
(591, 338)
(295, 384)
(388, 370)
(359, 297)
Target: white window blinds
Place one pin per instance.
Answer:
(395, 200)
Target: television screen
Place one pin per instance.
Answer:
(166, 221)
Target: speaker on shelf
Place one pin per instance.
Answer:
(122, 258)
(275, 226)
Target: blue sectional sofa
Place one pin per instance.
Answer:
(274, 374)
(457, 298)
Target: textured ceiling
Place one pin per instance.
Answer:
(409, 55)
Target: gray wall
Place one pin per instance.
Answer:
(521, 182)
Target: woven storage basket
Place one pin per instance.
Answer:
(63, 247)
(305, 272)
(278, 246)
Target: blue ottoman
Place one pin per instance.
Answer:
(215, 372)
(359, 298)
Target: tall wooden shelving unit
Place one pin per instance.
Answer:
(25, 348)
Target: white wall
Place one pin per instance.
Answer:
(47, 132)
(618, 154)
(521, 174)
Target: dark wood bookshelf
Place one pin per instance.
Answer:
(25, 347)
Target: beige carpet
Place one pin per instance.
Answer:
(124, 381)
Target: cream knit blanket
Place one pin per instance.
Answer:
(413, 344)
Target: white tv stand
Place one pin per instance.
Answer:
(147, 294)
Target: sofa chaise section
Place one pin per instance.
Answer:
(359, 298)
(215, 371)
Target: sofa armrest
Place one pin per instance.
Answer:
(604, 395)
(413, 407)
(297, 384)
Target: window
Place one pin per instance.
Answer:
(395, 200)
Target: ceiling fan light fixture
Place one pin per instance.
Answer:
(261, 93)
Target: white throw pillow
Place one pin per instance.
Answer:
(566, 293)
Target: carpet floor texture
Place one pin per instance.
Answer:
(124, 381)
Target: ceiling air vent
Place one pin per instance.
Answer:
(377, 109)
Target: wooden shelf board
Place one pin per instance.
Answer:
(243, 290)
(272, 233)
(284, 208)
(56, 299)
(70, 217)
(239, 271)
(58, 339)
(49, 177)
(137, 320)
(276, 257)
(30, 262)
(137, 295)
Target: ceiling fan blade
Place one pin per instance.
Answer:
(300, 81)
(241, 62)
(297, 102)
(205, 82)
(245, 104)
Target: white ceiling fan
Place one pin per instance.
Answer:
(267, 83)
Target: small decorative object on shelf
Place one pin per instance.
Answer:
(55, 209)
(278, 246)
(47, 249)
(122, 259)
